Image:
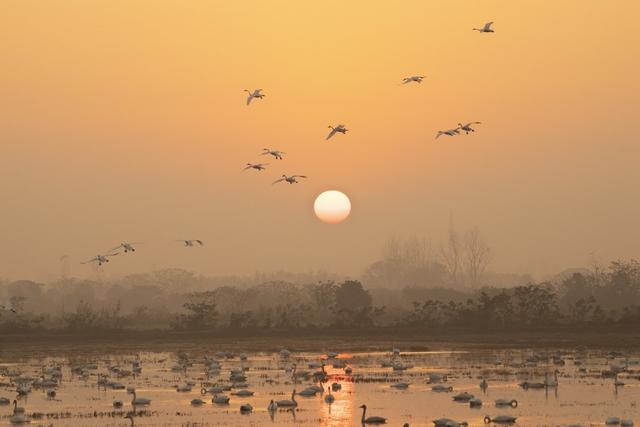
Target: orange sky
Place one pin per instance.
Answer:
(125, 120)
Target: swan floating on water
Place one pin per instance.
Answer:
(220, 399)
(288, 403)
(505, 402)
(329, 397)
(463, 397)
(139, 400)
(500, 419)
(448, 422)
(373, 419)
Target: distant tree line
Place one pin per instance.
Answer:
(180, 301)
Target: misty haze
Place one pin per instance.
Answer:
(246, 213)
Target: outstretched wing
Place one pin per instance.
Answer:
(488, 25)
(247, 167)
(249, 98)
(278, 180)
(116, 248)
(438, 134)
(333, 132)
(112, 254)
(89, 261)
(298, 176)
(200, 242)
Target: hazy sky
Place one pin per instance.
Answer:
(126, 120)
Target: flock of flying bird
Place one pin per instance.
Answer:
(467, 128)
(340, 128)
(129, 247)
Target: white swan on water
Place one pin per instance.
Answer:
(288, 403)
(329, 398)
(500, 419)
(448, 422)
(371, 420)
(139, 400)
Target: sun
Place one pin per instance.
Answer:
(332, 207)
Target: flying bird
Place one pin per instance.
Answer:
(191, 243)
(100, 259)
(486, 28)
(450, 132)
(275, 153)
(126, 246)
(340, 128)
(255, 94)
(256, 166)
(417, 79)
(293, 179)
(467, 128)
(11, 309)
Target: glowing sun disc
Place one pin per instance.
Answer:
(332, 207)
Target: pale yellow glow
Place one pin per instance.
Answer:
(332, 207)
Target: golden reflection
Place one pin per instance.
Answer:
(340, 412)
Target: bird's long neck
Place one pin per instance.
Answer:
(364, 411)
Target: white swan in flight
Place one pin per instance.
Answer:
(256, 166)
(467, 127)
(449, 132)
(255, 94)
(11, 309)
(340, 128)
(100, 259)
(417, 79)
(126, 246)
(191, 243)
(275, 153)
(293, 179)
(486, 28)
